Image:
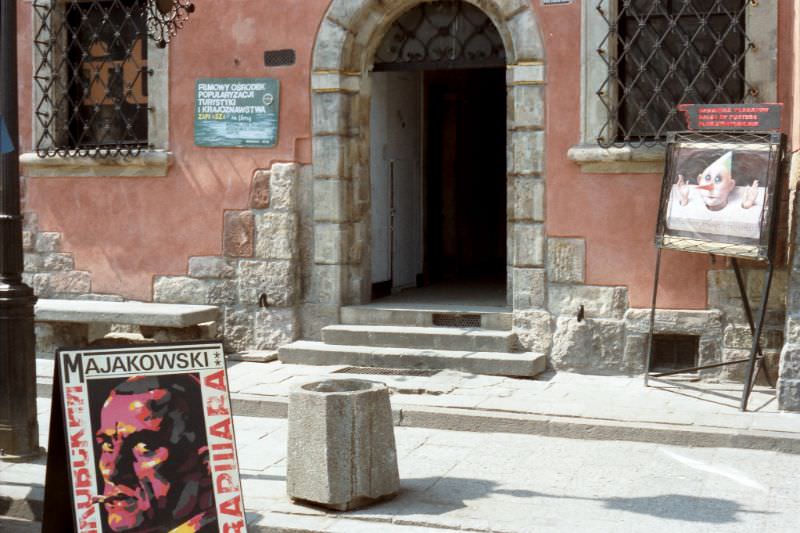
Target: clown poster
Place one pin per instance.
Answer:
(718, 193)
(149, 439)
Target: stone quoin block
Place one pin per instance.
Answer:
(276, 235)
(238, 329)
(237, 234)
(329, 49)
(526, 109)
(526, 194)
(789, 394)
(28, 239)
(283, 184)
(180, 290)
(222, 292)
(330, 156)
(341, 450)
(213, 267)
(739, 336)
(274, 327)
(259, 190)
(532, 328)
(511, 7)
(332, 200)
(527, 245)
(331, 112)
(529, 288)
(790, 361)
(275, 279)
(598, 302)
(565, 260)
(608, 344)
(331, 240)
(528, 41)
(527, 151)
(674, 321)
(33, 263)
(30, 221)
(48, 241)
(346, 13)
(57, 261)
(55, 283)
(572, 344)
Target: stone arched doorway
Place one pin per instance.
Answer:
(344, 53)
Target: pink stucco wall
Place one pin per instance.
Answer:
(616, 213)
(127, 230)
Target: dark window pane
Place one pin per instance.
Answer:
(108, 59)
(671, 52)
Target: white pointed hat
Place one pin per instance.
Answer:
(723, 163)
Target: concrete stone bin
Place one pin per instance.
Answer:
(342, 451)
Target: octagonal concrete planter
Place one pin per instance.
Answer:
(341, 451)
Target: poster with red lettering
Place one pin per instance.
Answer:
(149, 439)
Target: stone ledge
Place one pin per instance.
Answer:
(618, 160)
(140, 313)
(149, 163)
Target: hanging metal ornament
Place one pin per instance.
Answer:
(165, 18)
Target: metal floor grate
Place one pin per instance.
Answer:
(375, 371)
(460, 320)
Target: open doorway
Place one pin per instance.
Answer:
(465, 177)
(438, 170)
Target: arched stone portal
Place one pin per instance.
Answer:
(343, 55)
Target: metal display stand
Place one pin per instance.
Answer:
(763, 250)
(756, 355)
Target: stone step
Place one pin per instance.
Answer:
(466, 339)
(526, 364)
(494, 318)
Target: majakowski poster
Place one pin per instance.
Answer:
(149, 437)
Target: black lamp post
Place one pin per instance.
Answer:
(19, 433)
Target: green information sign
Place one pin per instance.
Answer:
(236, 112)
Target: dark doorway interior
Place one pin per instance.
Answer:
(465, 176)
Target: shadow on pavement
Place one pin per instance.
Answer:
(442, 495)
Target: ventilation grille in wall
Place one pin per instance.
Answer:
(674, 352)
(451, 320)
(279, 58)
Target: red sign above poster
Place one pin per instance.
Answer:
(744, 117)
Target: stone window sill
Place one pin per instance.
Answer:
(622, 160)
(151, 163)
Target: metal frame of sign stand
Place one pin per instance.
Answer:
(756, 354)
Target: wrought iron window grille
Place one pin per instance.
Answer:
(662, 53)
(166, 17)
(440, 35)
(91, 74)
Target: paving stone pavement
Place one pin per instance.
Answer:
(510, 481)
(500, 482)
(556, 404)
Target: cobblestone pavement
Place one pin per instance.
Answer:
(506, 482)
(677, 406)
(503, 482)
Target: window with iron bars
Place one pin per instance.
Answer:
(662, 53)
(92, 78)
